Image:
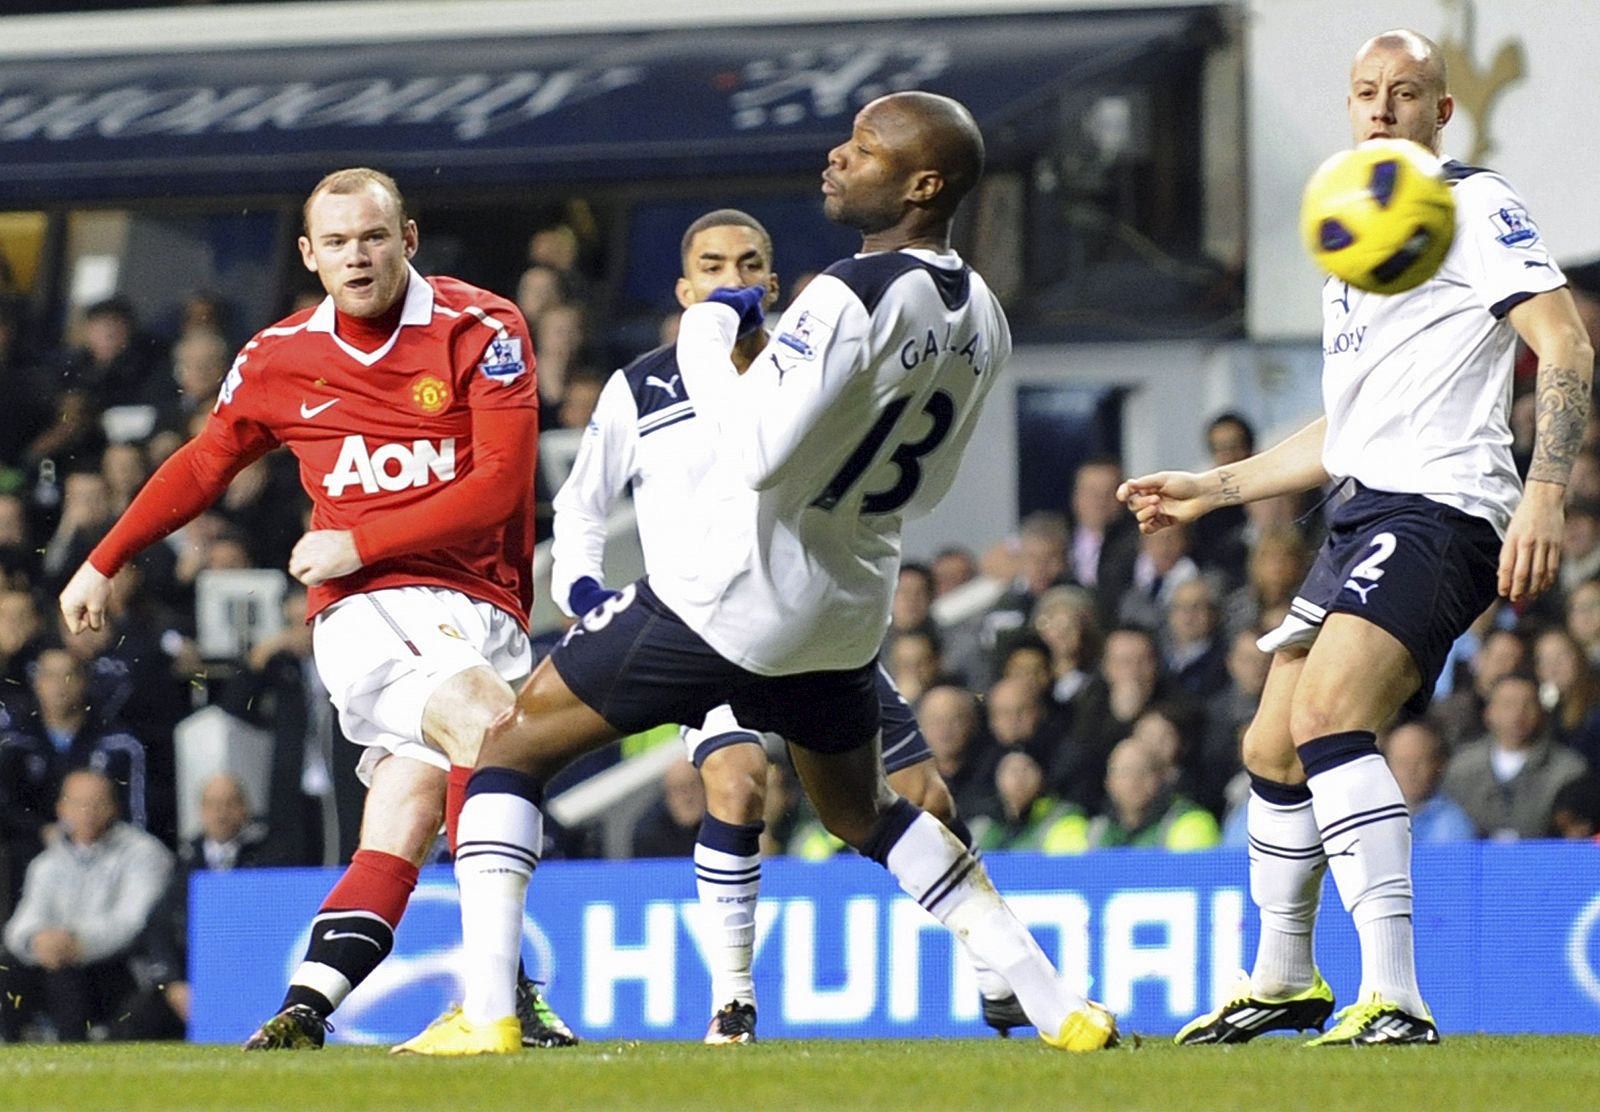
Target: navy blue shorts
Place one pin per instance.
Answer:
(637, 665)
(1418, 569)
(903, 743)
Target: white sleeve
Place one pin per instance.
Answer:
(1502, 256)
(764, 414)
(603, 468)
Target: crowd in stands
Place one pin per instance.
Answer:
(1098, 701)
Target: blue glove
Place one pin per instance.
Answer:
(587, 593)
(746, 302)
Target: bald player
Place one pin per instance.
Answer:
(1416, 390)
(852, 417)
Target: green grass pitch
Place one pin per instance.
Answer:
(922, 1075)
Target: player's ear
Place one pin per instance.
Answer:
(1447, 108)
(925, 186)
(772, 291)
(684, 293)
(411, 238)
(306, 256)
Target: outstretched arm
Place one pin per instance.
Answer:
(191, 479)
(1167, 498)
(1550, 325)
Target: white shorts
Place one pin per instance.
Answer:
(382, 654)
(719, 730)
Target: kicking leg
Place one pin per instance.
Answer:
(354, 929)
(856, 804)
(921, 785)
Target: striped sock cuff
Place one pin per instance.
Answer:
(1323, 753)
(1278, 793)
(726, 837)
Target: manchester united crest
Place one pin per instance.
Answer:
(430, 393)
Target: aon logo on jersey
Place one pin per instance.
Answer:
(391, 466)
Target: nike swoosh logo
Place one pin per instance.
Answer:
(330, 935)
(309, 412)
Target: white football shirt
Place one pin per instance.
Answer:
(1417, 385)
(853, 417)
(643, 434)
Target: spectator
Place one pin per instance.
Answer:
(913, 597)
(914, 662)
(1416, 756)
(558, 337)
(229, 837)
(1162, 566)
(1064, 620)
(23, 417)
(1028, 658)
(1218, 537)
(952, 567)
(1174, 728)
(1278, 565)
(948, 717)
(1022, 816)
(1229, 710)
(1142, 807)
(1041, 565)
(1104, 541)
(1580, 546)
(279, 689)
(20, 630)
(62, 735)
(84, 903)
(124, 470)
(18, 565)
(1460, 714)
(1583, 618)
(1016, 717)
(1195, 656)
(672, 823)
(1575, 814)
(116, 360)
(200, 361)
(86, 514)
(580, 397)
(1129, 676)
(1569, 692)
(1507, 782)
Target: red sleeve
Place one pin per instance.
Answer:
(505, 443)
(192, 478)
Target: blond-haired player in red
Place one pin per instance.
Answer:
(410, 404)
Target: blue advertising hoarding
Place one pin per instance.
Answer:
(1508, 941)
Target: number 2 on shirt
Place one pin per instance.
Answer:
(940, 407)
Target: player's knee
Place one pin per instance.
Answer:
(457, 718)
(1270, 754)
(736, 783)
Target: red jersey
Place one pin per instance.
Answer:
(422, 447)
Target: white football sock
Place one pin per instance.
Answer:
(1286, 867)
(728, 879)
(937, 871)
(499, 838)
(1366, 833)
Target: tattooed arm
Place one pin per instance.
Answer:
(1550, 325)
(1173, 497)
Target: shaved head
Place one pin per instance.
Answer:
(942, 136)
(1423, 50)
